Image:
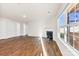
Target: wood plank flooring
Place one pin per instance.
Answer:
(27, 46)
(51, 48)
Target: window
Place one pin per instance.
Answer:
(69, 31)
(62, 33)
(61, 21)
(61, 24)
(70, 35)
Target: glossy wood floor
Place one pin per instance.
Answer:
(52, 48)
(27, 46)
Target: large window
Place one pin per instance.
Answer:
(69, 31)
(73, 28)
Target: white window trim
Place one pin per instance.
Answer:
(70, 48)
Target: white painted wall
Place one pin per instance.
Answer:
(10, 28)
(34, 28)
(37, 28)
(25, 29)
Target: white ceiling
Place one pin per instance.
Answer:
(29, 11)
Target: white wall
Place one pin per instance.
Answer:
(34, 28)
(37, 28)
(10, 28)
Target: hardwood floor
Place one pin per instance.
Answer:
(52, 48)
(27, 46)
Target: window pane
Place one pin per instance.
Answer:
(61, 20)
(76, 37)
(77, 16)
(62, 33)
(70, 35)
(72, 17)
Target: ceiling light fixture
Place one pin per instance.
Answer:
(24, 16)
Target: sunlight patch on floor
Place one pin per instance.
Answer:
(43, 47)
